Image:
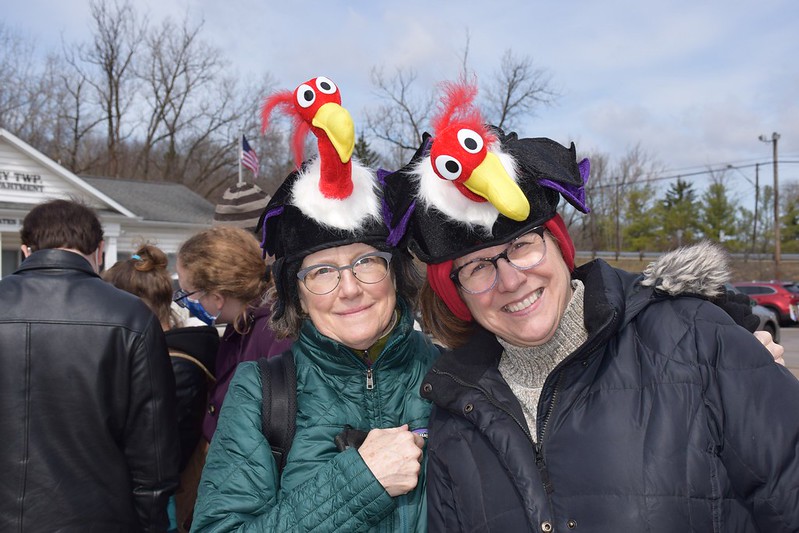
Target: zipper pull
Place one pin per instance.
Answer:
(370, 380)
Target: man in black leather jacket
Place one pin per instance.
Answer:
(88, 431)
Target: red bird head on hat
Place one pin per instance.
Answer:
(467, 156)
(315, 106)
(331, 189)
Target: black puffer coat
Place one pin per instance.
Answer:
(88, 436)
(670, 418)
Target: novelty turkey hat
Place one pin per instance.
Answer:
(471, 186)
(331, 200)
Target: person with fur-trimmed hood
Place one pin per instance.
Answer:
(586, 399)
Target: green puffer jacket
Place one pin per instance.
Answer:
(321, 489)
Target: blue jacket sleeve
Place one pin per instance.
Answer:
(239, 486)
(754, 407)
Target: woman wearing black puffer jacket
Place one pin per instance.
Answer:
(580, 399)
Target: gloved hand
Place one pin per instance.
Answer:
(739, 307)
(349, 438)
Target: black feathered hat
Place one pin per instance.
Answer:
(471, 186)
(330, 201)
(437, 225)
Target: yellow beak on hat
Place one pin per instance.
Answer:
(491, 181)
(337, 123)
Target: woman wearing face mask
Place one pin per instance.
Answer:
(223, 280)
(348, 298)
(585, 399)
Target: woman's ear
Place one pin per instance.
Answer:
(217, 299)
(303, 305)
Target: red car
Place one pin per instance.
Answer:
(774, 296)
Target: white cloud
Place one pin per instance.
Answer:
(690, 83)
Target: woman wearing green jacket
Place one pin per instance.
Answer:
(345, 295)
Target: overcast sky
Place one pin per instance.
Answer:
(693, 83)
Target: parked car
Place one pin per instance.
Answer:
(774, 296)
(768, 318)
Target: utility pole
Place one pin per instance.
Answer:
(777, 245)
(757, 199)
(757, 203)
(618, 222)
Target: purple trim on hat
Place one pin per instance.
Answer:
(275, 211)
(585, 169)
(395, 234)
(573, 195)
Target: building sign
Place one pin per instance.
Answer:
(20, 181)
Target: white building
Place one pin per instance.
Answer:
(132, 212)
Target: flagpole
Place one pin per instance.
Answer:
(239, 144)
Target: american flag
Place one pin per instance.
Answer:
(248, 156)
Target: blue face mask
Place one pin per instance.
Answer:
(198, 311)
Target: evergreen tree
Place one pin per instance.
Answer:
(364, 153)
(641, 225)
(718, 217)
(678, 216)
(765, 223)
(789, 231)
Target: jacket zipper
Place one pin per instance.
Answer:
(370, 379)
(539, 446)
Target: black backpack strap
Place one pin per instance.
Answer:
(279, 407)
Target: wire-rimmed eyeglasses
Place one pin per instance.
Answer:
(523, 253)
(324, 278)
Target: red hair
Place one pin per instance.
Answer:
(444, 287)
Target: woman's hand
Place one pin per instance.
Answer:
(394, 457)
(777, 350)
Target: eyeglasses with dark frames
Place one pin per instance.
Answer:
(523, 253)
(324, 278)
(180, 296)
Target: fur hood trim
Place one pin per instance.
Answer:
(702, 269)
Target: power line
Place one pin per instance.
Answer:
(706, 171)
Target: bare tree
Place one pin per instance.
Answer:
(76, 115)
(516, 89)
(402, 118)
(177, 68)
(25, 93)
(16, 63)
(118, 33)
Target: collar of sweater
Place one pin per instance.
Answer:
(530, 365)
